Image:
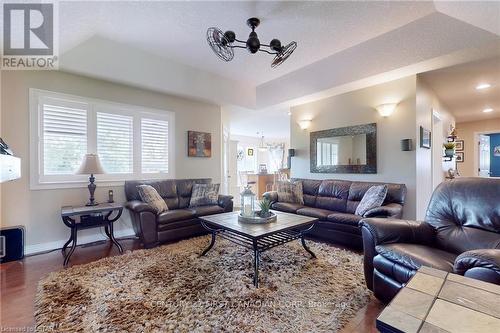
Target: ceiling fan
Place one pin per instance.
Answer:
(223, 44)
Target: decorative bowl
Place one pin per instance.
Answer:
(256, 219)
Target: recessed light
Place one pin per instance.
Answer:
(488, 110)
(483, 86)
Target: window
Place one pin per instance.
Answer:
(115, 142)
(327, 153)
(132, 142)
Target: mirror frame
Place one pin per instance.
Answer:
(371, 149)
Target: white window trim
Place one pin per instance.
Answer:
(78, 181)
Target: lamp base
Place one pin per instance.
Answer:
(91, 204)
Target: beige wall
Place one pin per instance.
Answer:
(39, 210)
(430, 165)
(356, 108)
(467, 132)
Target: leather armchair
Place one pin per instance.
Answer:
(460, 234)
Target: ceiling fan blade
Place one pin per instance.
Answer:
(285, 52)
(219, 44)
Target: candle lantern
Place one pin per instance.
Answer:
(247, 202)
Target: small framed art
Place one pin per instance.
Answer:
(199, 144)
(425, 138)
(459, 145)
(459, 156)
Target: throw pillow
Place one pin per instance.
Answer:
(150, 196)
(204, 195)
(290, 192)
(373, 198)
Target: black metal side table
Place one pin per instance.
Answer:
(90, 217)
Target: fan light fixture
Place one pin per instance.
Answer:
(224, 43)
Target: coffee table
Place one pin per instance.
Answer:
(258, 237)
(435, 301)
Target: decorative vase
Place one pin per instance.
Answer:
(449, 152)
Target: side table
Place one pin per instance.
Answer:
(90, 217)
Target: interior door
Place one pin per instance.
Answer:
(484, 156)
(234, 190)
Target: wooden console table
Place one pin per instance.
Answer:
(437, 301)
(90, 217)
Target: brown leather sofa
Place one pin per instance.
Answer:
(179, 221)
(334, 203)
(460, 234)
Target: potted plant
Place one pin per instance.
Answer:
(449, 149)
(265, 206)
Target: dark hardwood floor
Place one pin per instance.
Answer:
(19, 282)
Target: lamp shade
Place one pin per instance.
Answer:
(90, 165)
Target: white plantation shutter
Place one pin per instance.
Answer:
(154, 137)
(115, 142)
(132, 142)
(64, 136)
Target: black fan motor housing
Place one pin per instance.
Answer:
(253, 42)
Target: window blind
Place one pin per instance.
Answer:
(154, 144)
(64, 136)
(115, 142)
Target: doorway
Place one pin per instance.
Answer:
(488, 154)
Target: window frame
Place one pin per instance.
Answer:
(40, 181)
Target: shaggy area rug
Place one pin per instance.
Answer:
(172, 289)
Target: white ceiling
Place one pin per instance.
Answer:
(455, 88)
(274, 124)
(176, 30)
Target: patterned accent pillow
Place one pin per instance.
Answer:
(290, 192)
(150, 196)
(373, 198)
(204, 195)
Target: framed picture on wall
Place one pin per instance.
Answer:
(459, 156)
(199, 144)
(459, 145)
(249, 152)
(425, 138)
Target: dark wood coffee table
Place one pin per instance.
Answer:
(258, 237)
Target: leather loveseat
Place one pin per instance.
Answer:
(460, 234)
(179, 221)
(334, 202)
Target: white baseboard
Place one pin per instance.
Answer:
(42, 247)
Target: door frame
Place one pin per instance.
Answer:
(476, 149)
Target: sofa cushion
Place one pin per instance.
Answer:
(178, 225)
(315, 212)
(332, 195)
(207, 210)
(310, 189)
(287, 207)
(344, 218)
(372, 198)
(150, 196)
(204, 195)
(175, 215)
(413, 256)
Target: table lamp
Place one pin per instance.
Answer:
(90, 166)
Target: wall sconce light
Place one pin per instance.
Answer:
(385, 110)
(304, 124)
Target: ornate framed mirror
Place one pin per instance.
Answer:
(350, 149)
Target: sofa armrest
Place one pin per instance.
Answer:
(377, 231)
(392, 210)
(481, 264)
(138, 207)
(271, 196)
(226, 202)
